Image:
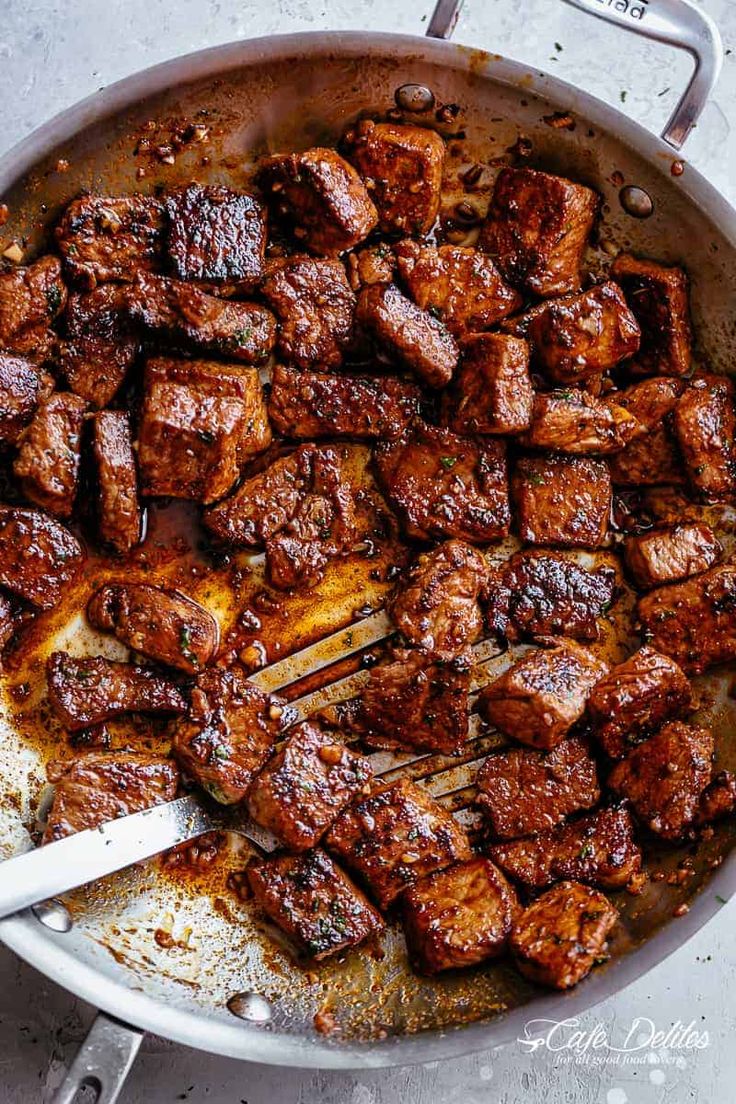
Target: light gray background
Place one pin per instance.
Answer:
(53, 53)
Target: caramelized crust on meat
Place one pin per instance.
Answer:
(323, 197)
(227, 735)
(561, 936)
(105, 238)
(575, 422)
(23, 385)
(118, 505)
(213, 233)
(718, 799)
(492, 389)
(659, 297)
(159, 622)
(705, 427)
(652, 457)
(86, 692)
(635, 697)
(402, 169)
(445, 485)
(562, 500)
(396, 836)
(305, 785)
(539, 698)
(664, 777)
(373, 264)
(30, 299)
(522, 792)
(39, 557)
(315, 305)
(670, 553)
(537, 229)
(10, 619)
(407, 334)
(458, 917)
(100, 346)
(49, 451)
(102, 786)
(693, 622)
(311, 899)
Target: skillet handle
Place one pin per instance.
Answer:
(102, 1063)
(680, 23)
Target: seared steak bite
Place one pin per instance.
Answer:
(562, 500)
(598, 848)
(664, 777)
(559, 938)
(23, 385)
(658, 296)
(310, 898)
(315, 305)
(459, 285)
(101, 786)
(693, 622)
(522, 791)
(100, 347)
(118, 505)
(445, 485)
(214, 233)
(158, 622)
(322, 196)
(492, 389)
(402, 169)
(652, 457)
(319, 404)
(670, 553)
(86, 692)
(537, 229)
(408, 335)
(189, 316)
(227, 735)
(394, 837)
(373, 264)
(575, 422)
(49, 450)
(30, 299)
(705, 427)
(458, 917)
(584, 335)
(538, 593)
(305, 785)
(718, 799)
(38, 555)
(105, 238)
(435, 606)
(635, 698)
(539, 698)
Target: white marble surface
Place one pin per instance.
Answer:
(52, 52)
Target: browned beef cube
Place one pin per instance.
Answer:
(693, 622)
(319, 404)
(373, 264)
(323, 197)
(539, 698)
(38, 556)
(227, 735)
(575, 422)
(315, 305)
(659, 298)
(49, 450)
(186, 314)
(435, 606)
(105, 238)
(653, 457)
(23, 385)
(537, 229)
(459, 916)
(459, 285)
(598, 848)
(214, 233)
(444, 485)
(157, 621)
(402, 168)
(307, 783)
(545, 594)
(30, 299)
(314, 902)
(86, 692)
(635, 698)
(584, 335)
(522, 792)
(492, 389)
(562, 500)
(705, 427)
(718, 799)
(102, 786)
(301, 509)
(560, 936)
(100, 347)
(670, 553)
(118, 505)
(396, 836)
(408, 335)
(664, 777)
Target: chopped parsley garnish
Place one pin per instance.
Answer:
(448, 462)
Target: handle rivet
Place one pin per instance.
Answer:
(414, 97)
(251, 1007)
(54, 915)
(636, 202)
